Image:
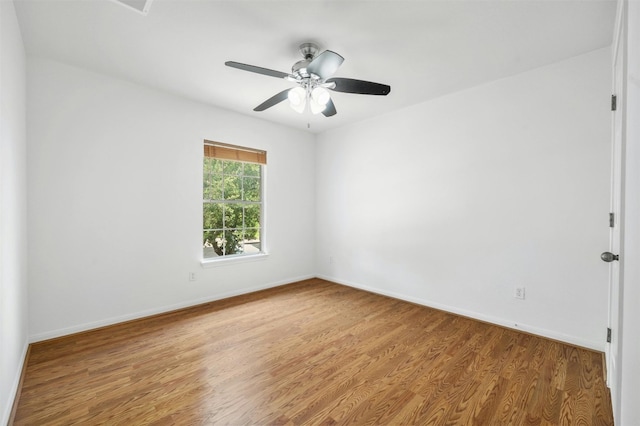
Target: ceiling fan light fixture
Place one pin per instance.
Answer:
(297, 99)
(320, 95)
(316, 108)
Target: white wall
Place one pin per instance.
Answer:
(454, 202)
(630, 370)
(13, 205)
(115, 214)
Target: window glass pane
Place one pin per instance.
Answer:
(212, 187)
(233, 242)
(251, 188)
(252, 216)
(232, 187)
(207, 165)
(212, 165)
(211, 246)
(251, 169)
(252, 243)
(232, 167)
(233, 216)
(252, 235)
(212, 216)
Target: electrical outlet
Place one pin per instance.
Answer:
(192, 276)
(519, 293)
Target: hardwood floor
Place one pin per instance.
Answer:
(311, 353)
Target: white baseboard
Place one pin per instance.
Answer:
(160, 310)
(13, 394)
(596, 346)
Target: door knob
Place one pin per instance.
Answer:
(607, 256)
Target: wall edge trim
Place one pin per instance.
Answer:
(12, 404)
(53, 334)
(526, 328)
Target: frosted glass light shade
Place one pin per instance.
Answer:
(316, 108)
(297, 99)
(320, 95)
(319, 100)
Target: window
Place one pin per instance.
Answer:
(232, 202)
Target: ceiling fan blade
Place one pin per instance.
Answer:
(325, 64)
(275, 99)
(330, 109)
(349, 85)
(258, 70)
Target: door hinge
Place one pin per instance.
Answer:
(614, 102)
(612, 220)
(608, 335)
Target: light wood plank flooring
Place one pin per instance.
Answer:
(313, 352)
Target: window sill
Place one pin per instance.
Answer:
(224, 261)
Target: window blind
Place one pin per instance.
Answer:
(223, 151)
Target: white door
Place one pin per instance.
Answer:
(617, 172)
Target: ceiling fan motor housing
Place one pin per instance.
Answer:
(309, 50)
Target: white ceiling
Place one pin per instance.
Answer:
(422, 49)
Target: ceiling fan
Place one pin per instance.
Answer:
(313, 78)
